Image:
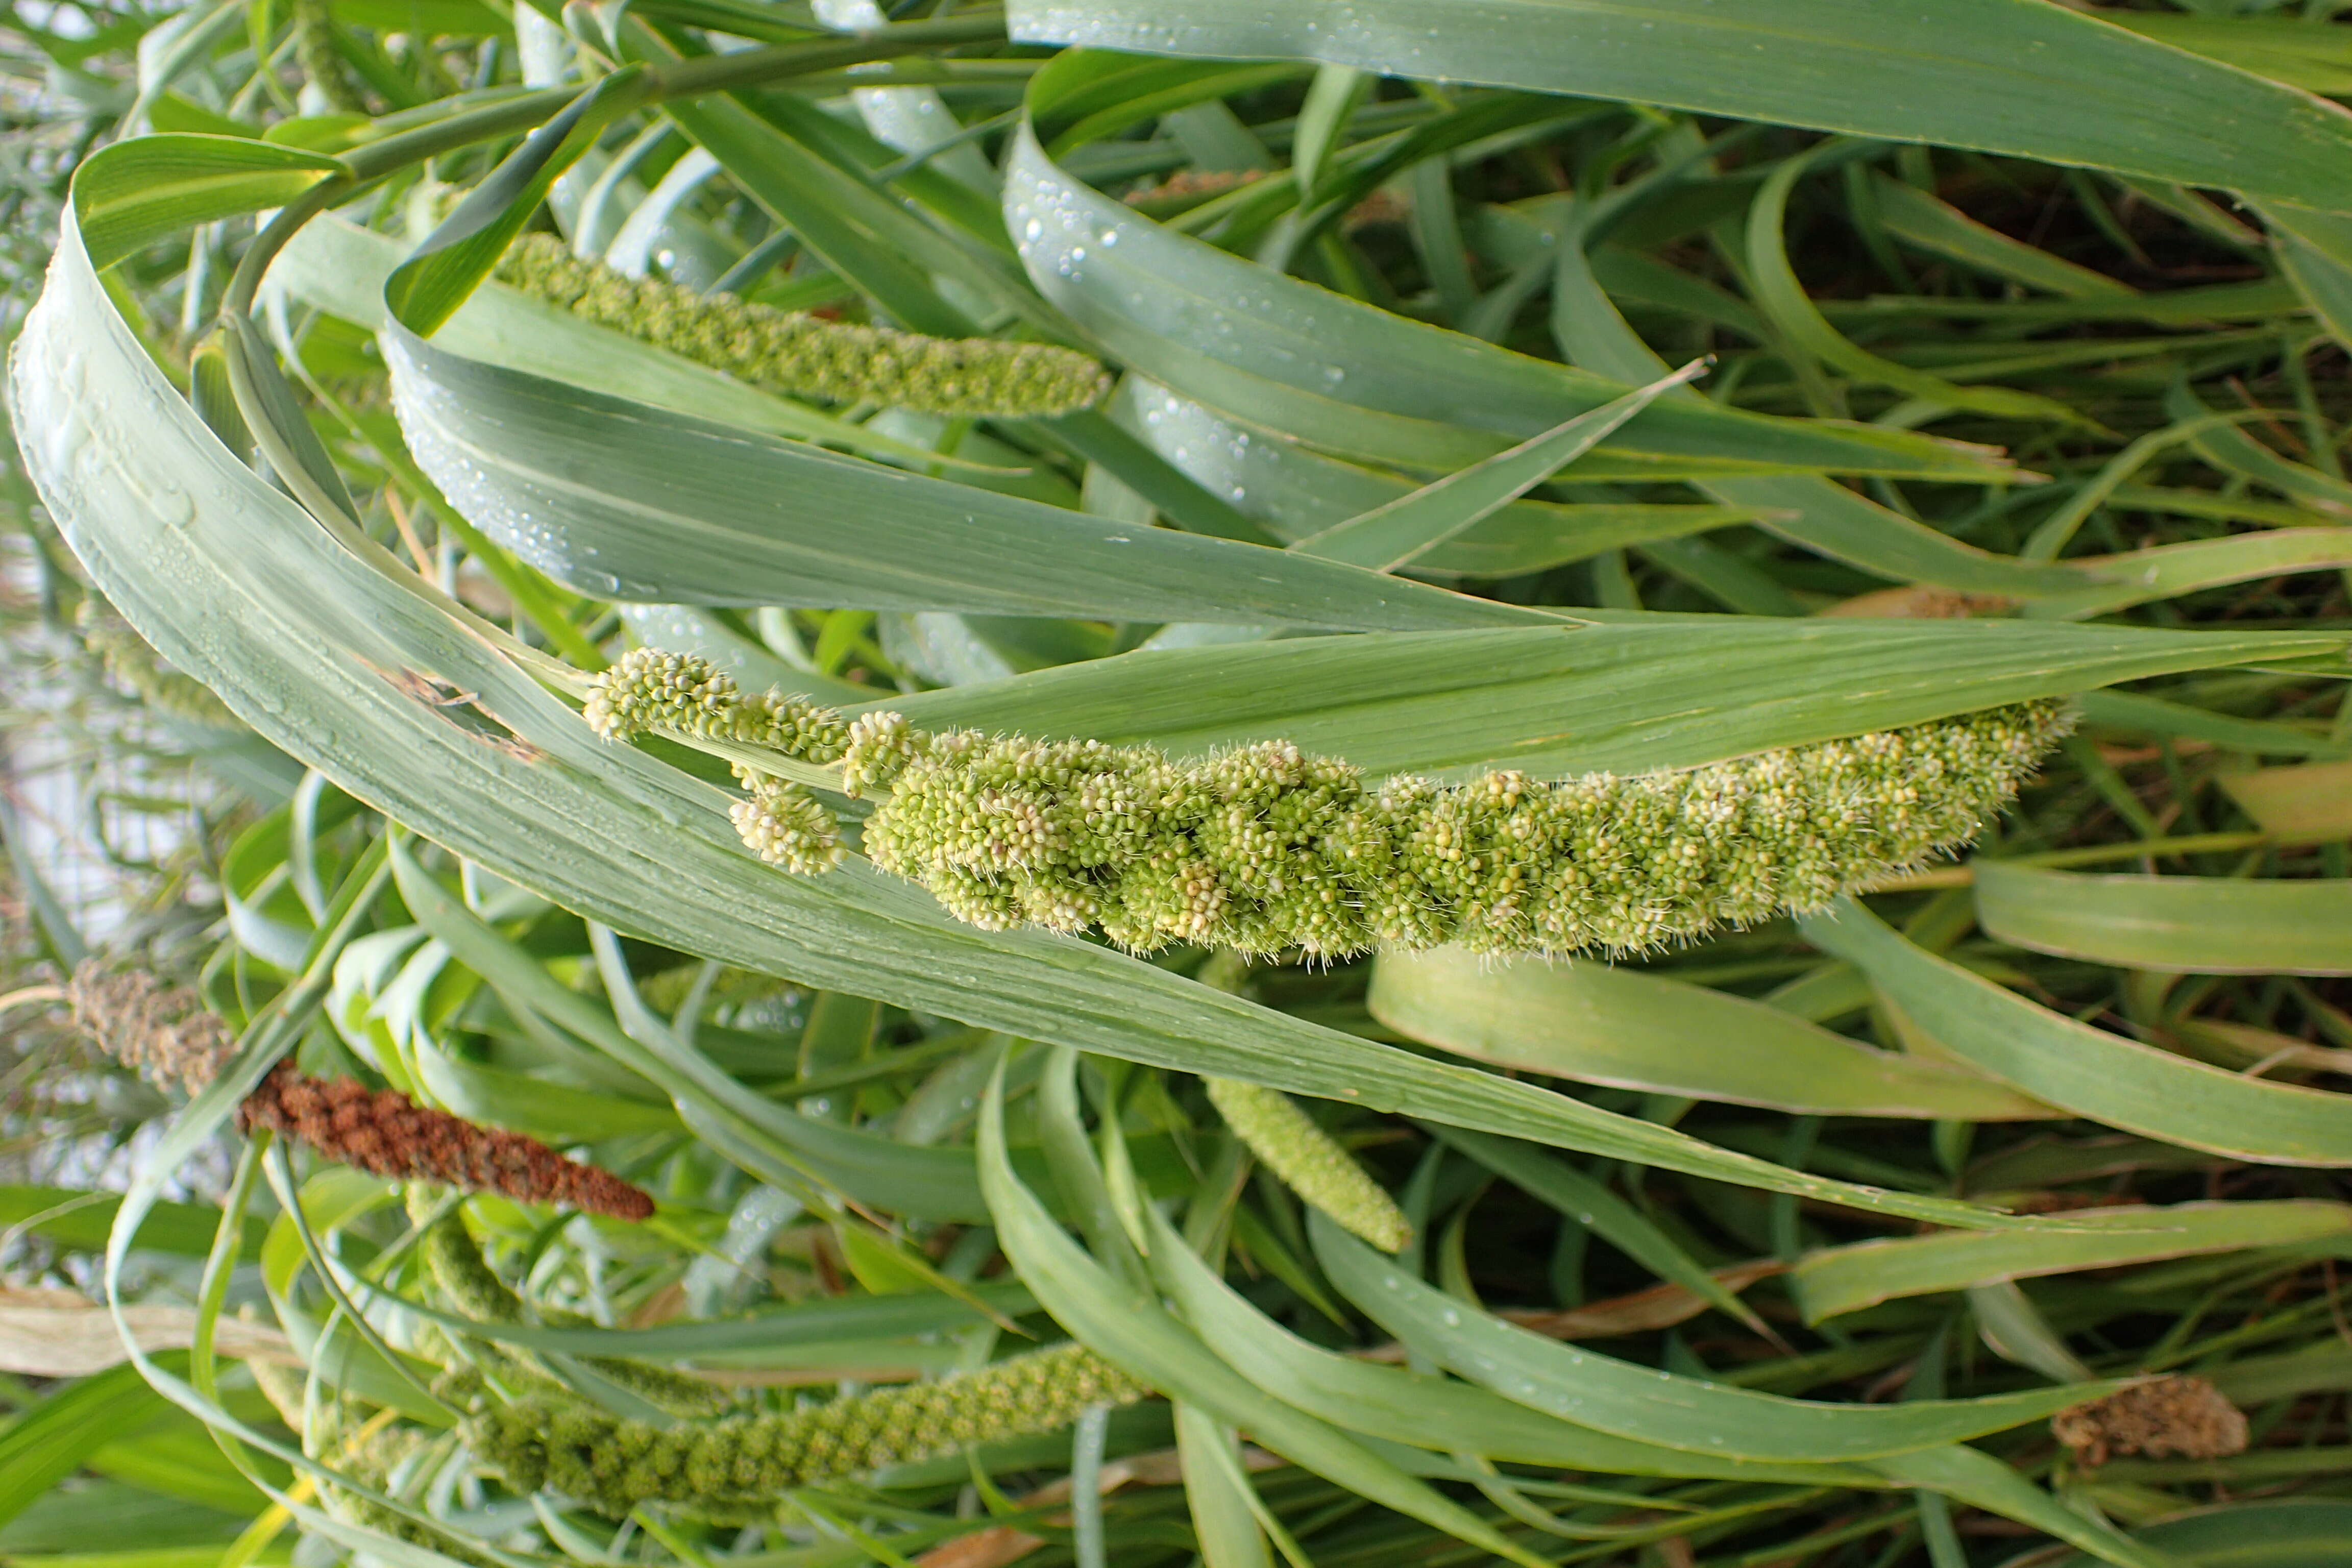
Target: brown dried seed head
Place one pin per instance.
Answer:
(2183, 1416)
(386, 1133)
(160, 1032)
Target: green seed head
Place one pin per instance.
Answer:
(651, 692)
(680, 694)
(1311, 1162)
(465, 1278)
(1266, 850)
(726, 1467)
(801, 354)
(473, 1288)
(785, 825)
(880, 747)
(321, 61)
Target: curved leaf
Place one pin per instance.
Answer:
(1424, 1410)
(1126, 1326)
(2019, 76)
(1296, 491)
(2281, 1532)
(1805, 509)
(2307, 804)
(1973, 1476)
(1652, 692)
(624, 500)
(1285, 355)
(1389, 537)
(1613, 1396)
(2182, 925)
(2091, 1072)
(1597, 1024)
(137, 192)
(1847, 1278)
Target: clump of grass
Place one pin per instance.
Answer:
(2170, 365)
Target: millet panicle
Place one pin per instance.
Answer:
(322, 61)
(1311, 1162)
(127, 659)
(386, 1133)
(804, 354)
(167, 1034)
(162, 1032)
(745, 1461)
(1266, 849)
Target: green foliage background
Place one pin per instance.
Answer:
(2028, 327)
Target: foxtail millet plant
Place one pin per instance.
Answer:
(747, 1462)
(1264, 849)
(804, 354)
(1311, 1162)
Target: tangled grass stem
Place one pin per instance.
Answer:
(1266, 849)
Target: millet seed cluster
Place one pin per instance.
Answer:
(802, 354)
(746, 1461)
(1266, 850)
